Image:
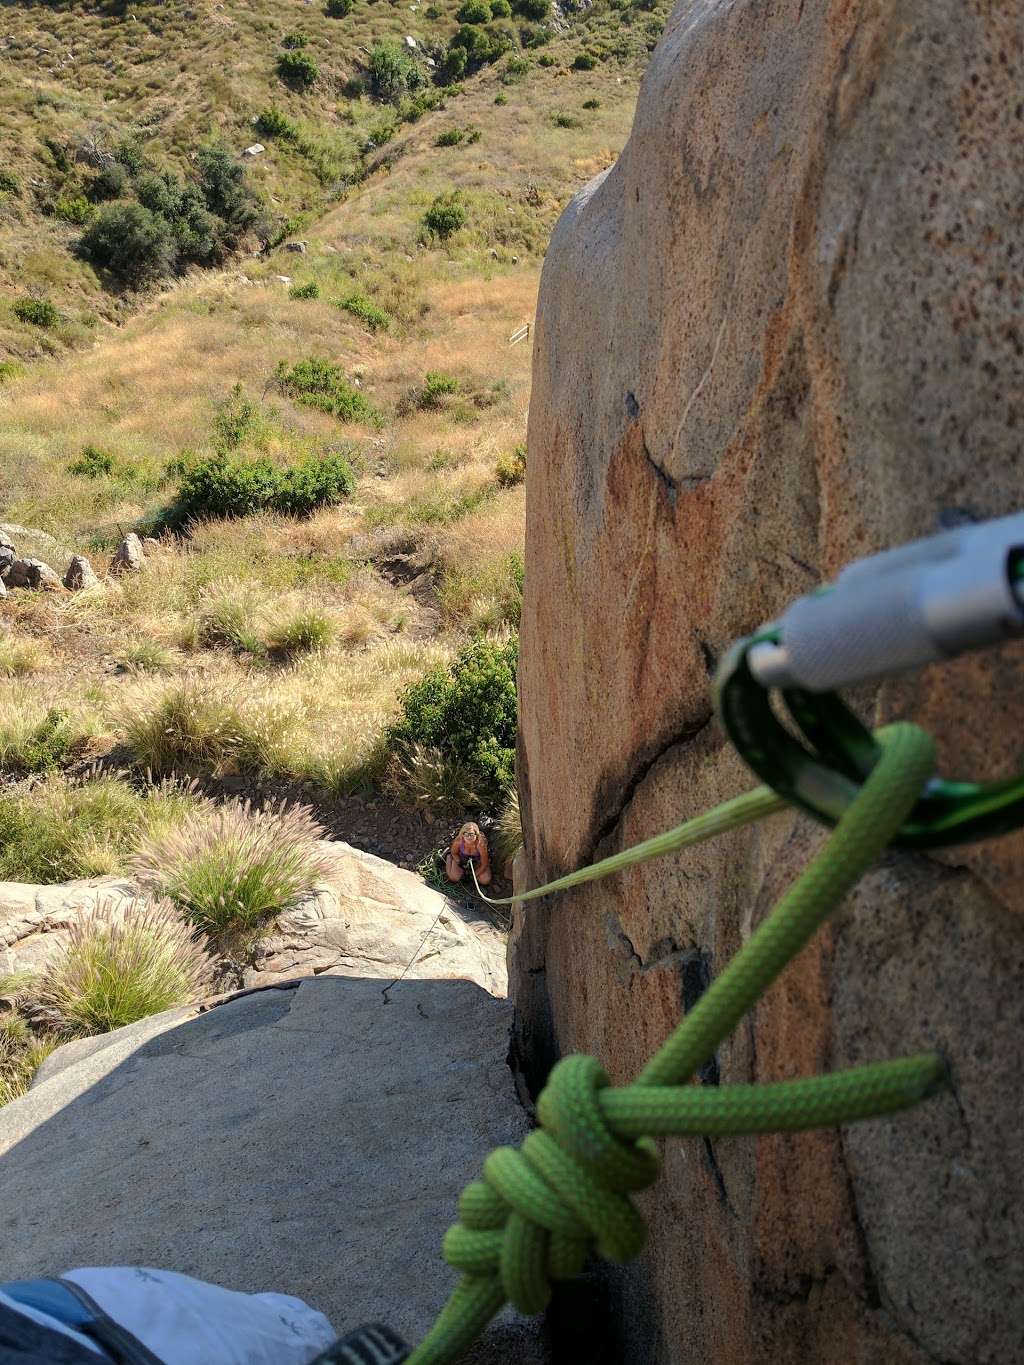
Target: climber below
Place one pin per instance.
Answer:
(469, 846)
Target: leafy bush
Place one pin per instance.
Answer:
(10, 370)
(74, 208)
(432, 12)
(9, 183)
(516, 69)
(483, 45)
(122, 962)
(445, 216)
(392, 71)
(511, 468)
(218, 486)
(130, 155)
(375, 317)
(273, 123)
(338, 9)
(451, 137)
(109, 183)
(501, 9)
(305, 291)
(567, 121)
(591, 104)
(466, 713)
(584, 61)
(221, 180)
(437, 386)
(546, 59)
(39, 312)
(293, 41)
(93, 463)
(298, 68)
(474, 12)
(455, 63)
(532, 9)
(319, 384)
(240, 421)
(232, 869)
(131, 242)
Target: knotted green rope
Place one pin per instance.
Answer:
(538, 1212)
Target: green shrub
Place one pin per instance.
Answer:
(22, 1053)
(297, 68)
(466, 713)
(109, 183)
(293, 41)
(130, 155)
(437, 387)
(501, 9)
(538, 35)
(320, 384)
(584, 61)
(511, 468)
(445, 216)
(338, 9)
(240, 421)
(546, 59)
(228, 616)
(273, 123)
(392, 71)
(567, 121)
(39, 312)
(451, 137)
(455, 63)
(73, 208)
(130, 241)
(93, 463)
(532, 9)
(230, 870)
(9, 184)
(305, 291)
(474, 12)
(221, 181)
(10, 370)
(432, 12)
(221, 487)
(122, 962)
(591, 104)
(516, 69)
(375, 317)
(500, 98)
(483, 45)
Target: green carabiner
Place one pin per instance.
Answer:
(917, 604)
(823, 775)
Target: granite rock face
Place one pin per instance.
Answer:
(783, 332)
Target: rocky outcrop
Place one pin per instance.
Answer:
(129, 557)
(781, 333)
(311, 1139)
(368, 918)
(80, 574)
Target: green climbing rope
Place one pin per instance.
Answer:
(538, 1212)
(741, 810)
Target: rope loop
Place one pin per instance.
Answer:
(538, 1212)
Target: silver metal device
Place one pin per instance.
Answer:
(901, 609)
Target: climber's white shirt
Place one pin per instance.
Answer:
(188, 1322)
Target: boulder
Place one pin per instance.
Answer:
(7, 557)
(80, 574)
(311, 1140)
(129, 557)
(257, 149)
(3, 588)
(780, 333)
(32, 573)
(300, 248)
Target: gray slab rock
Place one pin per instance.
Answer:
(129, 557)
(312, 1140)
(80, 574)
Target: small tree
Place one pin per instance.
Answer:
(474, 12)
(392, 71)
(338, 9)
(131, 242)
(39, 312)
(445, 215)
(298, 68)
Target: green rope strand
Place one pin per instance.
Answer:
(741, 810)
(539, 1211)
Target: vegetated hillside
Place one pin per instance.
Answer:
(100, 100)
(326, 442)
